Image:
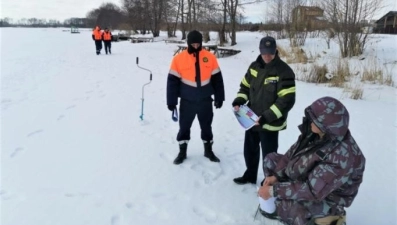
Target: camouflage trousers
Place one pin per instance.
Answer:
(293, 212)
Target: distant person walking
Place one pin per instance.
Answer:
(107, 40)
(97, 37)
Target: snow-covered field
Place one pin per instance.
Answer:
(74, 151)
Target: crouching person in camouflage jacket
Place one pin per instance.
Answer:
(320, 174)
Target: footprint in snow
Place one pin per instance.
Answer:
(208, 172)
(115, 220)
(34, 133)
(70, 107)
(208, 214)
(15, 152)
(60, 117)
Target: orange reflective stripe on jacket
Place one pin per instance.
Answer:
(183, 66)
(97, 34)
(107, 36)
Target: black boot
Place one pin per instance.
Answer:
(182, 154)
(243, 180)
(272, 216)
(209, 153)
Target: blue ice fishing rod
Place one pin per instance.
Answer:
(143, 87)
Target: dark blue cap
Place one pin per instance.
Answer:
(268, 46)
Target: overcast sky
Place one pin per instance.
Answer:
(64, 9)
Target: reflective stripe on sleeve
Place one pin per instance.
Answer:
(276, 111)
(286, 91)
(244, 96)
(274, 128)
(245, 83)
(253, 72)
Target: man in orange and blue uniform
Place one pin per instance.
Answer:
(107, 40)
(97, 37)
(194, 77)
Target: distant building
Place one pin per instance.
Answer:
(387, 24)
(308, 18)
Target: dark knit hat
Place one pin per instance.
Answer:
(194, 37)
(267, 46)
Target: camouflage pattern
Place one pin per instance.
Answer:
(322, 177)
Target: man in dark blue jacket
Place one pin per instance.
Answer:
(194, 77)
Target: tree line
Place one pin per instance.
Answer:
(344, 19)
(143, 16)
(35, 22)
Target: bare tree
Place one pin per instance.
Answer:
(276, 11)
(171, 16)
(138, 14)
(107, 15)
(222, 30)
(232, 8)
(347, 18)
(156, 15)
(5, 22)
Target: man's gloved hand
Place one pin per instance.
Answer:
(171, 107)
(262, 120)
(218, 104)
(238, 101)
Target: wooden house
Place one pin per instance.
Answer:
(308, 18)
(387, 24)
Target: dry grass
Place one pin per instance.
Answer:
(375, 74)
(372, 72)
(281, 51)
(295, 55)
(388, 78)
(355, 92)
(341, 74)
(372, 75)
(317, 74)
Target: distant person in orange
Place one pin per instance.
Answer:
(107, 40)
(97, 37)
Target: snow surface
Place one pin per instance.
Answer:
(74, 151)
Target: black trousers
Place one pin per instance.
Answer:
(98, 46)
(268, 141)
(108, 46)
(188, 111)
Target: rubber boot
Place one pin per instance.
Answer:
(182, 154)
(209, 153)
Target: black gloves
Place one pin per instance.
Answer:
(262, 120)
(171, 107)
(238, 101)
(218, 105)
